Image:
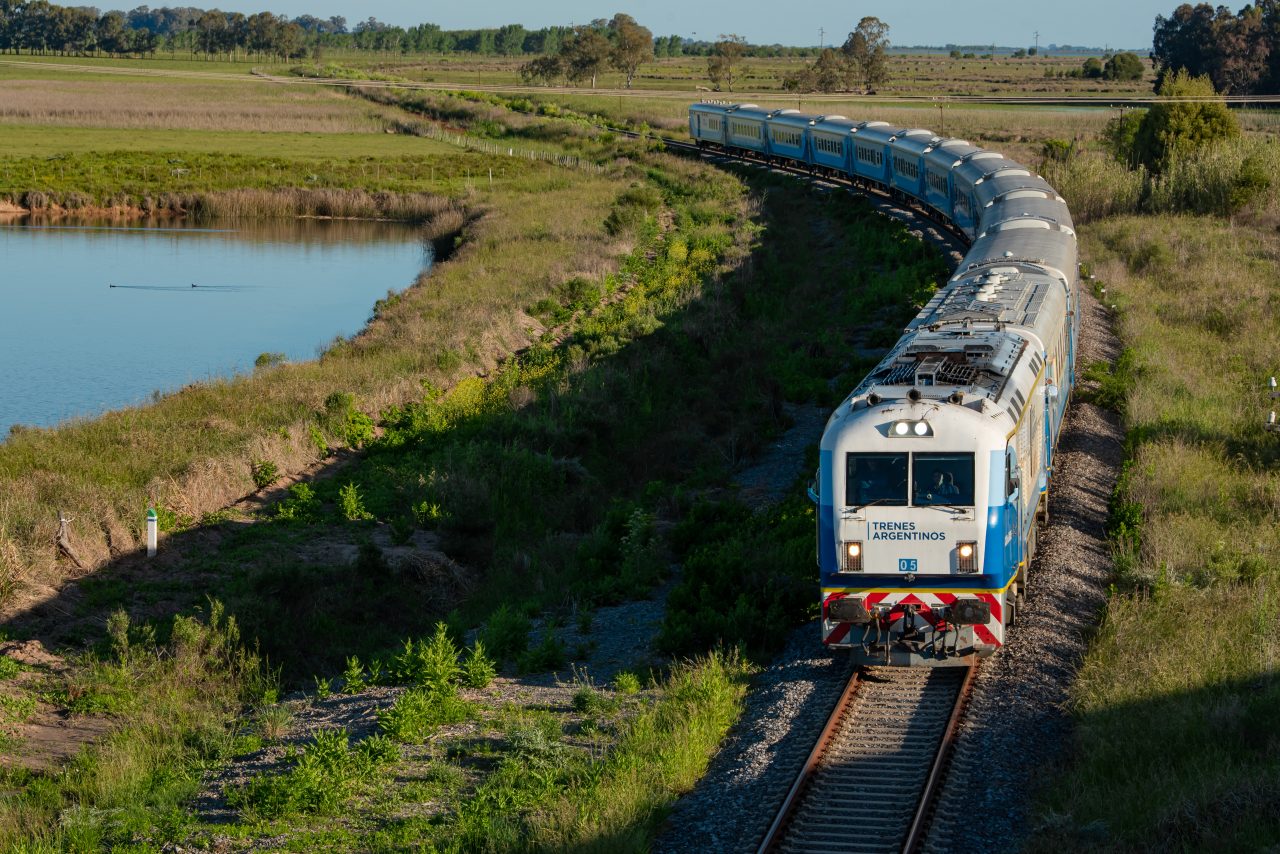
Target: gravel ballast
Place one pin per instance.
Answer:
(1016, 725)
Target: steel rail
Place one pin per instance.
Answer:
(793, 797)
(937, 772)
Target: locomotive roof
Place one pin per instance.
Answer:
(971, 338)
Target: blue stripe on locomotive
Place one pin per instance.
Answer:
(826, 516)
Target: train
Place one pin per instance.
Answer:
(934, 472)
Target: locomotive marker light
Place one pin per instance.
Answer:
(966, 556)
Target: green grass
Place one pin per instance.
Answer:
(170, 705)
(1176, 702)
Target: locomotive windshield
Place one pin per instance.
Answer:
(942, 479)
(876, 479)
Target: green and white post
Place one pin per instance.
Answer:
(153, 526)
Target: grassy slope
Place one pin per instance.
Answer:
(1177, 746)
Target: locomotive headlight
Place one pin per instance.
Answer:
(966, 556)
(907, 429)
(851, 558)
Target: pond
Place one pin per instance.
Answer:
(95, 316)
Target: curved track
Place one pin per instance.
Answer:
(870, 782)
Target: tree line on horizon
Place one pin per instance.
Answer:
(41, 27)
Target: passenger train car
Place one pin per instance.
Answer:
(934, 471)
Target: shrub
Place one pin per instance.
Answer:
(478, 669)
(430, 664)
(302, 505)
(1173, 127)
(269, 360)
(417, 712)
(351, 504)
(626, 682)
(547, 655)
(506, 633)
(326, 774)
(264, 473)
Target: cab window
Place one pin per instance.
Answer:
(876, 479)
(942, 479)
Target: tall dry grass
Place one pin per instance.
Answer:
(116, 102)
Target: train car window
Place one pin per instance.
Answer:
(877, 479)
(942, 479)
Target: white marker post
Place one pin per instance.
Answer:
(152, 529)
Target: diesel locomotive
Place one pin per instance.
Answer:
(936, 469)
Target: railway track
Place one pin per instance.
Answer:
(870, 782)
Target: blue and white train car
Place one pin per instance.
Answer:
(870, 159)
(788, 132)
(939, 161)
(906, 160)
(745, 131)
(829, 144)
(708, 122)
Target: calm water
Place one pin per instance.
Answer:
(94, 317)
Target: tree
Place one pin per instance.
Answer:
(1175, 126)
(547, 69)
(1123, 66)
(1092, 68)
(110, 33)
(510, 39)
(585, 54)
(725, 54)
(866, 52)
(632, 45)
(1184, 40)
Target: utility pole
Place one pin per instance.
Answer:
(1037, 42)
(822, 36)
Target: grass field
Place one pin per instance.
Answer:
(644, 296)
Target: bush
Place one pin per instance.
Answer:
(264, 473)
(547, 655)
(327, 773)
(417, 712)
(478, 669)
(1171, 128)
(506, 633)
(1123, 66)
(428, 664)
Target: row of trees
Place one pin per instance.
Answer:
(1239, 52)
(42, 27)
(861, 62)
(589, 49)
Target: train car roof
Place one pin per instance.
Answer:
(949, 152)
(878, 133)
(916, 140)
(752, 113)
(714, 107)
(832, 124)
(1015, 205)
(791, 118)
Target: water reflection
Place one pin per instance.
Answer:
(99, 314)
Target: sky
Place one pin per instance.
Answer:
(1092, 23)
